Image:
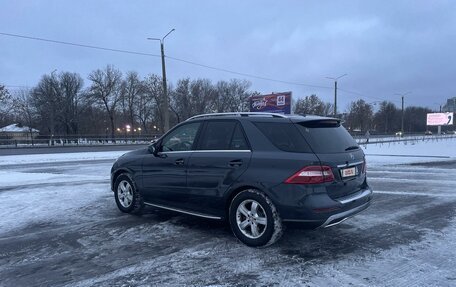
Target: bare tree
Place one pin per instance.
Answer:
(148, 105)
(46, 99)
(5, 105)
(4, 93)
(70, 85)
(415, 118)
(180, 100)
(25, 110)
(202, 96)
(312, 105)
(131, 90)
(232, 96)
(105, 91)
(360, 115)
(387, 119)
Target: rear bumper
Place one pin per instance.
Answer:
(319, 210)
(342, 216)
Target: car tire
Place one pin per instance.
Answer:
(254, 219)
(128, 198)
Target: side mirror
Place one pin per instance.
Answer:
(152, 149)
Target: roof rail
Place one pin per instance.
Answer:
(241, 114)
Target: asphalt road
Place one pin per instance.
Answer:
(65, 230)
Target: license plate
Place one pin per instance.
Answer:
(346, 172)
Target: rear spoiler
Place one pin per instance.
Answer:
(322, 122)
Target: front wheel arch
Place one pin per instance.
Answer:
(137, 204)
(119, 172)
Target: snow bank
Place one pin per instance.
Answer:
(59, 157)
(411, 151)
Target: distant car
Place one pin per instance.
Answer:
(256, 170)
(399, 134)
(428, 133)
(450, 132)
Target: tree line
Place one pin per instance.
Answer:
(114, 104)
(360, 116)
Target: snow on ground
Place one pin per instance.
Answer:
(427, 150)
(59, 157)
(59, 226)
(51, 193)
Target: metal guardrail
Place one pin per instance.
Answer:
(103, 141)
(407, 138)
(75, 141)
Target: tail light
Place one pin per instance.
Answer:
(312, 175)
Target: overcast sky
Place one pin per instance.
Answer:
(385, 47)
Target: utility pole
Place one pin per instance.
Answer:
(402, 122)
(165, 100)
(402, 119)
(335, 92)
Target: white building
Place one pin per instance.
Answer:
(17, 132)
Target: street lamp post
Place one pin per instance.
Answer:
(165, 88)
(53, 111)
(335, 91)
(402, 118)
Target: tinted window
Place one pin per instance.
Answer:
(238, 141)
(181, 139)
(217, 135)
(327, 136)
(285, 136)
(223, 135)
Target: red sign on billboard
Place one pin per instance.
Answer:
(272, 103)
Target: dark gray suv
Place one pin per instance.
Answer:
(256, 170)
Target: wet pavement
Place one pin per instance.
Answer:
(65, 230)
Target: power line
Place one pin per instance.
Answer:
(247, 75)
(364, 96)
(15, 86)
(79, 45)
(169, 57)
(176, 59)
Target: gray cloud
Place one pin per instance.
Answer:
(385, 47)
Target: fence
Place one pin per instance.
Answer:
(89, 140)
(405, 138)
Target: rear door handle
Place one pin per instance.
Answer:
(236, 162)
(179, 161)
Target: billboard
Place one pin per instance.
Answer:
(439, 119)
(272, 103)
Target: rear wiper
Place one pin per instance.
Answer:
(352, 147)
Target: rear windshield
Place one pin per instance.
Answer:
(285, 136)
(327, 136)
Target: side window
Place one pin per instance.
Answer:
(238, 141)
(181, 139)
(217, 135)
(285, 136)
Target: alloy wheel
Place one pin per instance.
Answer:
(251, 219)
(125, 193)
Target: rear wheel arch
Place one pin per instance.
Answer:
(263, 233)
(235, 191)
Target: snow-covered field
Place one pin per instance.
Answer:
(59, 226)
(427, 150)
